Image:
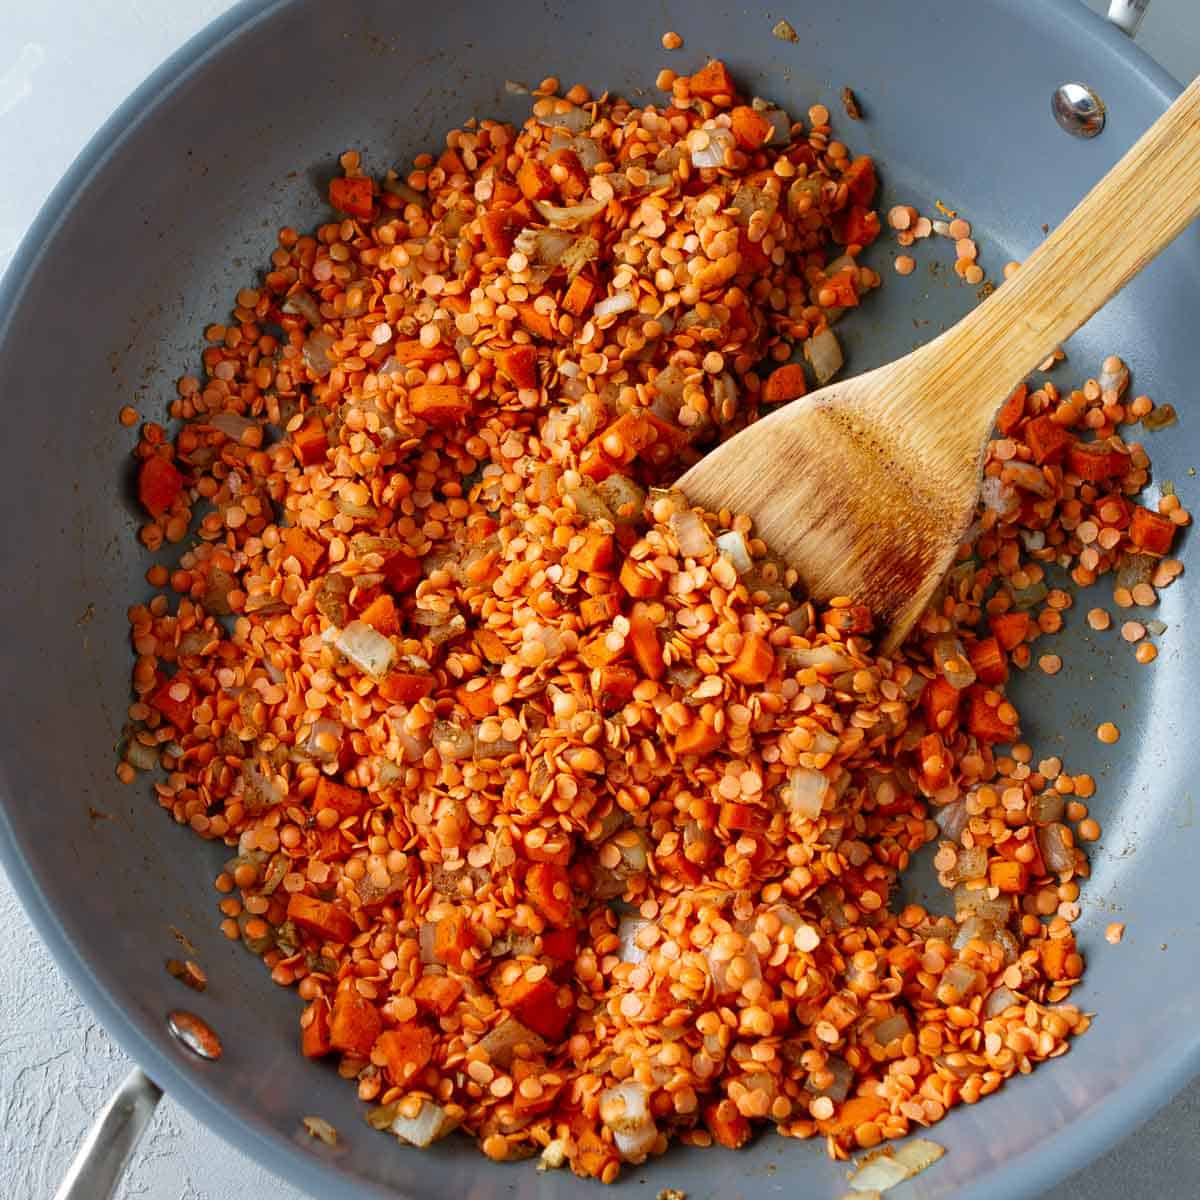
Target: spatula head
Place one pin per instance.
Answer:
(860, 505)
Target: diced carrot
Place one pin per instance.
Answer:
(727, 1126)
(561, 944)
(537, 322)
(381, 615)
(597, 465)
(746, 818)
(577, 180)
(406, 687)
(754, 259)
(1151, 532)
(441, 404)
(940, 701)
(537, 1006)
(1094, 462)
(934, 760)
(549, 889)
(500, 226)
(1012, 410)
(314, 1037)
(412, 352)
(1010, 628)
(988, 661)
(402, 571)
(755, 660)
(535, 181)
(750, 127)
(519, 363)
(840, 1011)
(854, 1112)
(321, 918)
(678, 864)
(646, 648)
(437, 994)
(579, 296)
(1047, 440)
(596, 553)
(627, 436)
(405, 1050)
(1008, 876)
(303, 547)
(538, 1100)
(1054, 953)
(597, 654)
(697, 738)
(1115, 511)
(984, 720)
(844, 286)
(637, 584)
(159, 484)
(784, 383)
(309, 442)
(598, 610)
(453, 937)
(857, 226)
(175, 698)
(352, 195)
(854, 618)
(1009, 847)
(479, 702)
(346, 801)
(859, 178)
(615, 688)
(713, 79)
(451, 162)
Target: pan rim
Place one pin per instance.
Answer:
(1154, 1083)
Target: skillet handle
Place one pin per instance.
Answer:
(105, 1153)
(1127, 15)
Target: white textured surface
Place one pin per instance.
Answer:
(63, 68)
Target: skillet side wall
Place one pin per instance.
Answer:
(174, 207)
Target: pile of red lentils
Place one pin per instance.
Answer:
(574, 824)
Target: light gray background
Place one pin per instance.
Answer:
(63, 68)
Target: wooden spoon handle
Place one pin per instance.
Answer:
(1144, 202)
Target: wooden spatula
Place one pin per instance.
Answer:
(868, 486)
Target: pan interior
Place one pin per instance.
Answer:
(176, 207)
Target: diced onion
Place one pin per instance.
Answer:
(806, 792)
(302, 304)
(431, 1124)
(843, 1077)
(998, 496)
(976, 902)
(716, 143)
(824, 354)
(366, 648)
(575, 119)
(1057, 851)
(316, 352)
(733, 545)
(571, 215)
(628, 929)
(232, 425)
(818, 657)
(951, 661)
(952, 819)
(617, 303)
(324, 729)
(1029, 478)
(1000, 999)
(692, 534)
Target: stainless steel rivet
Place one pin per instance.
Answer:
(1078, 110)
(195, 1034)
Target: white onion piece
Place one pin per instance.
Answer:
(824, 354)
(366, 648)
(919, 1154)
(302, 304)
(817, 656)
(1029, 478)
(843, 1077)
(1114, 381)
(781, 125)
(575, 119)
(976, 902)
(316, 352)
(951, 661)
(999, 496)
(571, 215)
(323, 728)
(628, 929)
(612, 305)
(510, 1034)
(543, 246)
(431, 1124)
(625, 1109)
(1000, 999)
(588, 153)
(232, 425)
(707, 147)
(1057, 853)
(806, 792)
(952, 819)
(733, 545)
(692, 534)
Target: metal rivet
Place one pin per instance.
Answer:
(194, 1033)
(1078, 110)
